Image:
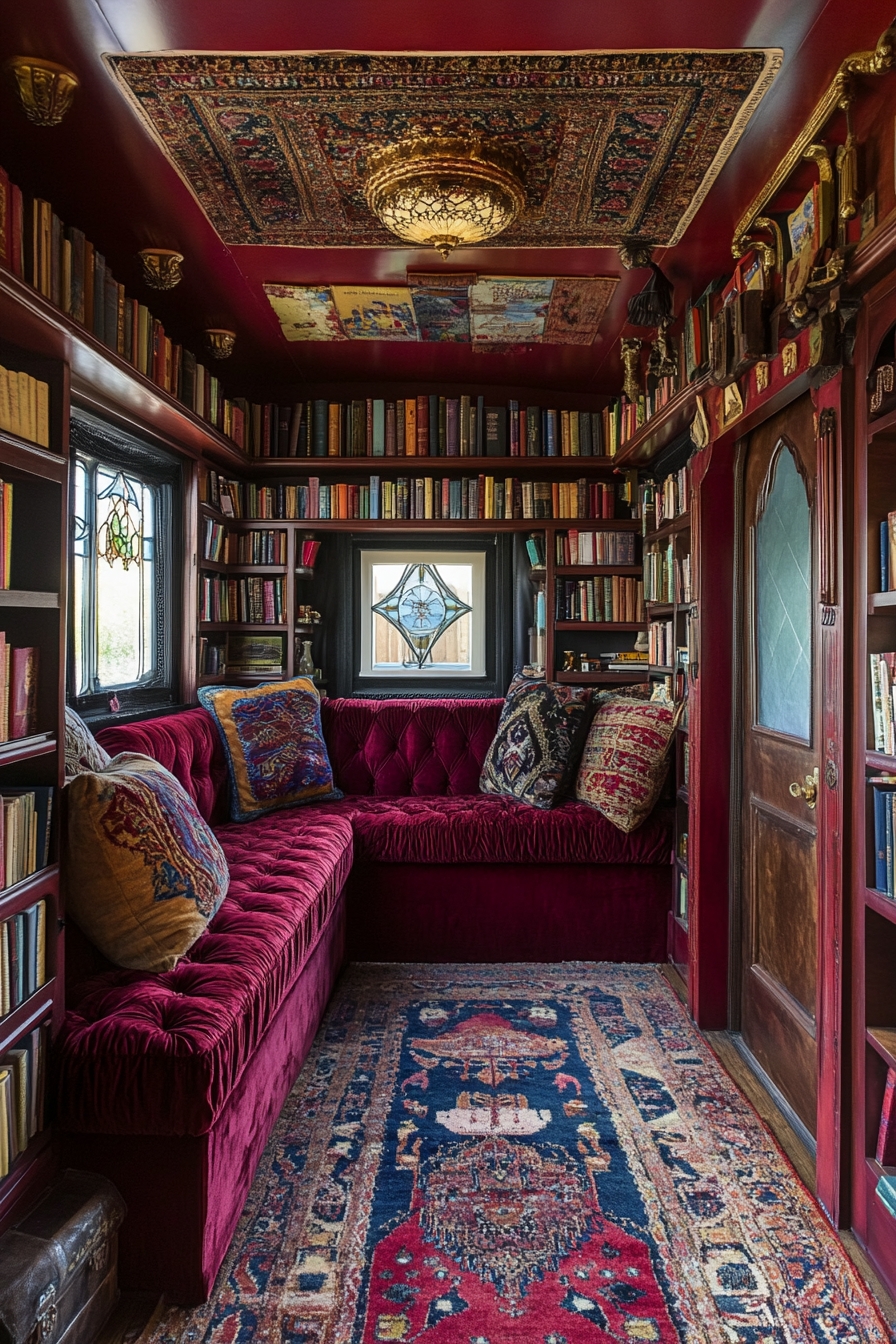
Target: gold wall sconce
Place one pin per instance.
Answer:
(220, 342)
(161, 267)
(45, 89)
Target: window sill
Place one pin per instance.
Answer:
(105, 719)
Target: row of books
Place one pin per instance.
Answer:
(660, 504)
(18, 690)
(611, 599)
(25, 406)
(259, 547)
(23, 1072)
(666, 577)
(6, 497)
(888, 554)
(594, 548)
(23, 941)
(883, 792)
(245, 600)
(661, 643)
(63, 265)
(428, 425)
(255, 655)
(883, 667)
(415, 497)
(26, 819)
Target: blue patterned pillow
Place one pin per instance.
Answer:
(272, 736)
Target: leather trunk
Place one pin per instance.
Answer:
(59, 1264)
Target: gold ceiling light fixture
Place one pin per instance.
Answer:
(444, 191)
(161, 267)
(220, 341)
(45, 89)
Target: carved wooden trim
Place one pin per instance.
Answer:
(828, 509)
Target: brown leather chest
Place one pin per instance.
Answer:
(59, 1265)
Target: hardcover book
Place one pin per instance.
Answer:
(886, 1134)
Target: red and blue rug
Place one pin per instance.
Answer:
(524, 1155)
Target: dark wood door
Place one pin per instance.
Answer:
(780, 716)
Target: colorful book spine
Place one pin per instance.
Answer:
(885, 1152)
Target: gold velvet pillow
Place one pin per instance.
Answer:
(144, 872)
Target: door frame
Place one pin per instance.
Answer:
(828, 637)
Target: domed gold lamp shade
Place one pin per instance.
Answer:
(444, 191)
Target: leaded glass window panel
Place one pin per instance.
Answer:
(115, 583)
(422, 613)
(784, 604)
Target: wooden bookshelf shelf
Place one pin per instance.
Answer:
(882, 424)
(23, 597)
(659, 431)
(660, 669)
(881, 602)
(883, 904)
(596, 678)
(659, 609)
(220, 568)
(483, 466)
(878, 760)
(239, 626)
(429, 524)
(598, 625)
(25, 748)
(28, 1015)
(28, 457)
(241, 678)
(39, 886)
(584, 571)
(679, 524)
(884, 1041)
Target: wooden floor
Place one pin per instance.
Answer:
(136, 1315)
(734, 1064)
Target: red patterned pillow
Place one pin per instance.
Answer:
(626, 758)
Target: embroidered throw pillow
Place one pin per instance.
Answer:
(626, 758)
(144, 872)
(272, 736)
(536, 749)
(82, 751)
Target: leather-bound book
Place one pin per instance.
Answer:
(23, 719)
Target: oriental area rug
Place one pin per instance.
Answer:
(509, 1154)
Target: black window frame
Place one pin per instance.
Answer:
(348, 681)
(116, 449)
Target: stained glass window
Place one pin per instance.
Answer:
(114, 578)
(422, 614)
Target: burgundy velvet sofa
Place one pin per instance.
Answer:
(170, 1084)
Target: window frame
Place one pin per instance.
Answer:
(99, 443)
(432, 554)
(344, 598)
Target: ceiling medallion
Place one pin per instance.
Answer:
(46, 89)
(220, 342)
(161, 267)
(444, 191)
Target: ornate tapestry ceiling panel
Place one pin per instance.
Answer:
(275, 147)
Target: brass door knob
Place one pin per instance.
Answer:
(809, 790)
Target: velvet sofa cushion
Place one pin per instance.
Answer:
(273, 741)
(160, 1054)
(409, 747)
(626, 758)
(481, 829)
(144, 872)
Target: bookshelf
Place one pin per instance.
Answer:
(670, 589)
(873, 910)
(32, 615)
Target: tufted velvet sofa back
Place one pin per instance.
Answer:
(409, 747)
(381, 747)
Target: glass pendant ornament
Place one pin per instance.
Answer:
(120, 537)
(444, 191)
(421, 607)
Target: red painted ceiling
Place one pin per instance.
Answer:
(103, 172)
